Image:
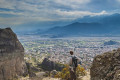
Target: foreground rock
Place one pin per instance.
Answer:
(12, 62)
(106, 66)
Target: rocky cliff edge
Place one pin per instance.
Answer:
(12, 62)
(106, 66)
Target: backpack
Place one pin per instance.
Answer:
(74, 61)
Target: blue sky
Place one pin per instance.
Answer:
(19, 12)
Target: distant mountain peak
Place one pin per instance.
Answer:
(107, 25)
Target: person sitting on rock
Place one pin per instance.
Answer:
(73, 63)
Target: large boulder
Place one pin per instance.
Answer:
(51, 65)
(106, 66)
(12, 62)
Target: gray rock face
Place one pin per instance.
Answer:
(106, 66)
(51, 65)
(11, 56)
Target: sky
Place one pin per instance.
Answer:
(22, 13)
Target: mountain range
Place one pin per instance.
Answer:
(105, 25)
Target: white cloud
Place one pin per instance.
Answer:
(72, 1)
(9, 4)
(61, 15)
(21, 20)
(12, 13)
(35, 5)
(78, 14)
(74, 4)
(43, 10)
(21, 5)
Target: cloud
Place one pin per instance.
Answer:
(76, 14)
(24, 18)
(25, 11)
(71, 3)
(21, 20)
(108, 5)
(11, 13)
(9, 4)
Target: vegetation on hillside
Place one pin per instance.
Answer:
(65, 74)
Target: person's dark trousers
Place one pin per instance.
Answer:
(73, 74)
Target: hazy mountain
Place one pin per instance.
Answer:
(75, 29)
(111, 42)
(107, 25)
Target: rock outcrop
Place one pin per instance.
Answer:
(51, 65)
(12, 62)
(106, 66)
